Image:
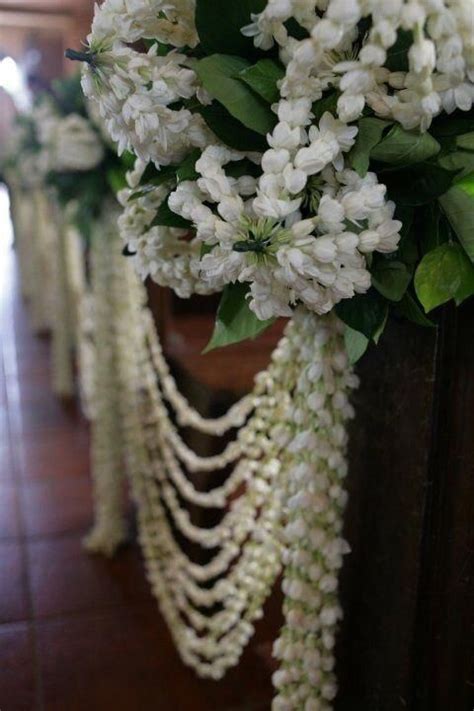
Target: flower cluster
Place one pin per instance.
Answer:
(298, 223)
(68, 143)
(167, 254)
(135, 91)
(24, 161)
(439, 50)
(286, 259)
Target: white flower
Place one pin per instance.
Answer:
(320, 153)
(73, 145)
(275, 160)
(268, 300)
(284, 136)
(331, 214)
(422, 56)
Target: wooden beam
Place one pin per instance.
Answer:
(43, 20)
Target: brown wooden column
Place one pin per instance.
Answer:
(388, 456)
(444, 645)
(407, 641)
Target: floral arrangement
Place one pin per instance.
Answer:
(79, 161)
(318, 153)
(309, 160)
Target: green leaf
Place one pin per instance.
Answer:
(422, 184)
(187, 171)
(128, 160)
(466, 141)
(230, 131)
(68, 95)
(218, 75)
(365, 313)
(435, 229)
(403, 148)
(167, 173)
(116, 179)
(263, 77)
(407, 248)
(458, 206)
(381, 328)
(397, 55)
(167, 218)
(152, 173)
(152, 178)
(391, 279)
(370, 134)
(327, 103)
(219, 25)
(467, 184)
(409, 309)
(205, 249)
(356, 344)
(444, 274)
(460, 161)
(235, 321)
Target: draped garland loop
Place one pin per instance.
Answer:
(281, 503)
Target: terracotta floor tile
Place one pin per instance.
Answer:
(13, 590)
(9, 519)
(65, 579)
(247, 687)
(129, 660)
(123, 662)
(17, 680)
(56, 506)
(42, 414)
(50, 454)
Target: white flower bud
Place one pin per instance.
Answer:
(274, 161)
(324, 249)
(422, 56)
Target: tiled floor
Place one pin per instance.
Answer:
(78, 633)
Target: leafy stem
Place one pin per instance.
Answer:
(74, 55)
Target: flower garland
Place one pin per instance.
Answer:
(82, 296)
(44, 241)
(35, 230)
(288, 153)
(107, 450)
(315, 501)
(297, 400)
(63, 325)
(22, 217)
